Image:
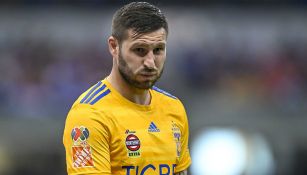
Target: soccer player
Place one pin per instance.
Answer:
(124, 125)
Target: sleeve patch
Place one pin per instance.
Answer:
(82, 156)
(81, 150)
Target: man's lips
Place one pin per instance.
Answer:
(148, 73)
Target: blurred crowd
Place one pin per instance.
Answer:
(41, 79)
(276, 76)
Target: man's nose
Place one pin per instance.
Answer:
(149, 60)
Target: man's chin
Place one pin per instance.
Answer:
(144, 85)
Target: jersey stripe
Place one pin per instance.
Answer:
(89, 93)
(163, 92)
(100, 96)
(95, 93)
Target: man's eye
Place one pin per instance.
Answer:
(158, 50)
(140, 51)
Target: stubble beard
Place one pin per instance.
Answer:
(129, 77)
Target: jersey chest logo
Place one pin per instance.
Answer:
(177, 137)
(133, 144)
(153, 128)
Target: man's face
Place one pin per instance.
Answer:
(141, 58)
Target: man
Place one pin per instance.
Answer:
(123, 124)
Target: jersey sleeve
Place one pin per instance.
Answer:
(86, 137)
(184, 159)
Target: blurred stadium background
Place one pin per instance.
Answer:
(239, 66)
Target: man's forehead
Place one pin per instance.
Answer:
(155, 36)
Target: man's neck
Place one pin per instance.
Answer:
(135, 95)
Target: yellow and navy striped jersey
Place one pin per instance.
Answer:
(107, 134)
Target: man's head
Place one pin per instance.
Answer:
(141, 17)
(138, 44)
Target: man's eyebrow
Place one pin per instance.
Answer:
(141, 44)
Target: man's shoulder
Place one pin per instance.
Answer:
(94, 94)
(165, 98)
(170, 103)
(94, 103)
(97, 97)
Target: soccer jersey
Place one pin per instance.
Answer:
(106, 133)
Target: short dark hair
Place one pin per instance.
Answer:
(141, 17)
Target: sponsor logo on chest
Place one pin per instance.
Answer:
(133, 144)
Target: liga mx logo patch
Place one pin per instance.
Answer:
(79, 135)
(81, 150)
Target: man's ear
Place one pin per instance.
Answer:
(113, 46)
